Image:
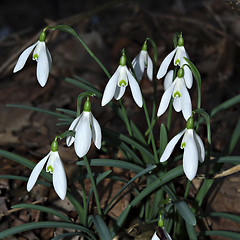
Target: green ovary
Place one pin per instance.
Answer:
(122, 82)
(177, 94)
(50, 169)
(35, 57)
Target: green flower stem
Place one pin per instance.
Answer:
(150, 131)
(93, 185)
(169, 114)
(187, 189)
(126, 118)
(85, 207)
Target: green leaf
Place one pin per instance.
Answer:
(163, 139)
(225, 105)
(37, 110)
(175, 39)
(25, 162)
(191, 231)
(230, 216)
(70, 234)
(67, 111)
(185, 212)
(229, 159)
(43, 209)
(84, 86)
(234, 138)
(101, 227)
(225, 234)
(36, 225)
(113, 163)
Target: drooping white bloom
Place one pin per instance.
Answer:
(179, 60)
(117, 84)
(86, 129)
(142, 61)
(164, 235)
(41, 55)
(56, 168)
(193, 150)
(176, 89)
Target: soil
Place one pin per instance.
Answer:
(211, 31)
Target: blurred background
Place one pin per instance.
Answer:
(211, 31)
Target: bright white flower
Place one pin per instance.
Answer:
(41, 55)
(176, 89)
(164, 235)
(179, 60)
(193, 150)
(117, 84)
(142, 61)
(86, 128)
(56, 168)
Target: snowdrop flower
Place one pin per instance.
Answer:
(117, 84)
(86, 128)
(193, 149)
(55, 167)
(41, 55)
(176, 89)
(164, 235)
(179, 60)
(142, 61)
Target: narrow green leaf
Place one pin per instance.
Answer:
(185, 212)
(234, 138)
(163, 139)
(229, 159)
(226, 234)
(43, 209)
(191, 231)
(175, 39)
(225, 105)
(25, 162)
(230, 216)
(67, 111)
(113, 163)
(36, 225)
(71, 234)
(101, 227)
(37, 110)
(84, 86)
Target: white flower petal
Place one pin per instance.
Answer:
(170, 146)
(35, 172)
(180, 53)
(23, 58)
(110, 87)
(168, 80)
(135, 89)
(164, 66)
(139, 65)
(119, 92)
(200, 147)
(166, 97)
(42, 65)
(96, 133)
(149, 68)
(188, 77)
(49, 59)
(177, 104)
(190, 156)
(59, 177)
(186, 103)
(73, 127)
(83, 135)
(166, 234)
(155, 237)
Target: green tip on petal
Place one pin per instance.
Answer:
(190, 123)
(122, 82)
(54, 146)
(183, 145)
(180, 72)
(180, 41)
(144, 47)
(177, 62)
(42, 37)
(177, 94)
(50, 168)
(123, 58)
(87, 106)
(35, 57)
